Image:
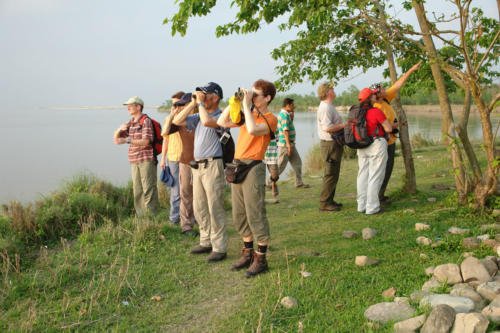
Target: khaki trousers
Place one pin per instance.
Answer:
(294, 160)
(331, 154)
(208, 204)
(186, 183)
(145, 187)
(249, 210)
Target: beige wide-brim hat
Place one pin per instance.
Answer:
(134, 100)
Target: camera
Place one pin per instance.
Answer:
(224, 138)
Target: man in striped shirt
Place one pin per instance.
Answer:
(287, 150)
(139, 134)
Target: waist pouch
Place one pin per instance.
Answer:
(338, 137)
(237, 171)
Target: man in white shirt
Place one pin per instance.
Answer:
(329, 122)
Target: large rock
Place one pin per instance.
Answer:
(457, 231)
(490, 265)
(389, 311)
(422, 226)
(470, 243)
(483, 237)
(492, 311)
(467, 291)
(350, 234)
(449, 273)
(440, 320)
(458, 303)
(473, 270)
(489, 290)
(368, 233)
(470, 323)
(409, 325)
(365, 261)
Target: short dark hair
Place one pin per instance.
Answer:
(287, 101)
(142, 107)
(178, 94)
(268, 88)
(366, 103)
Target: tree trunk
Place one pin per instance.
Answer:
(404, 135)
(464, 137)
(447, 127)
(489, 181)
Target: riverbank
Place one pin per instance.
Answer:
(137, 275)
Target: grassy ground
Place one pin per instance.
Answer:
(108, 278)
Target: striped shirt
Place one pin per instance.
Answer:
(285, 123)
(135, 131)
(271, 156)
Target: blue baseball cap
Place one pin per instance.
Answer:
(211, 88)
(186, 98)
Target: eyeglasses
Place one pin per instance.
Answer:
(255, 95)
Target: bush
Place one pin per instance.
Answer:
(63, 212)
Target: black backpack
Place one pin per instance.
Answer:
(227, 143)
(355, 132)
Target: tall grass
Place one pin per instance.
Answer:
(63, 213)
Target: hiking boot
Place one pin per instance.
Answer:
(329, 208)
(245, 259)
(380, 211)
(303, 186)
(259, 265)
(385, 202)
(190, 232)
(216, 256)
(198, 249)
(338, 204)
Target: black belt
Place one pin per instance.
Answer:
(205, 160)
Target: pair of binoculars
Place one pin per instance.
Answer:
(240, 94)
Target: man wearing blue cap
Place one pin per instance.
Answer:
(208, 170)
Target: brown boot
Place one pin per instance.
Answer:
(259, 265)
(245, 259)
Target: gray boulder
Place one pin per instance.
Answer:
(465, 290)
(458, 303)
(389, 311)
(490, 265)
(457, 231)
(431, 285)
(440, 320)
(470, 243)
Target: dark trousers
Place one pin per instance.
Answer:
(331, 154)
(391, 152)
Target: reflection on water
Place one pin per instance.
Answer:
(41, 148)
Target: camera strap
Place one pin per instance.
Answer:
(271, 133)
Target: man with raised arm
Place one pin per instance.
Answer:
(384, 98)
(208, 170)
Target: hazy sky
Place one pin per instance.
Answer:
(92, 53)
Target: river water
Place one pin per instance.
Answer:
(41, 148)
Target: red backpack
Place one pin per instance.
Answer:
(157, 138)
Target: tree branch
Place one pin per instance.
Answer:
(487, 52)
(494, 100)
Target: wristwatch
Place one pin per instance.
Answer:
(128, 140)
(202, 104)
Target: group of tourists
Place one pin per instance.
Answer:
(193, 161)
